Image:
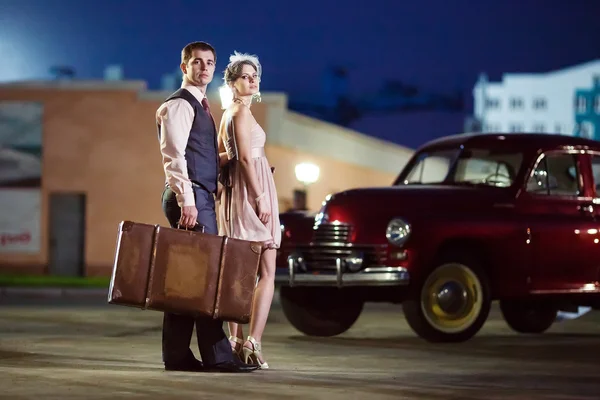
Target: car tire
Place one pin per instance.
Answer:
(452, 303)
(320, 311)
(525, 316)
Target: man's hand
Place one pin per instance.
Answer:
(189, 217)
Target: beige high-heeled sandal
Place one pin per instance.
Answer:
(251, 355)
(239, 353)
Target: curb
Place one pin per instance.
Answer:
(53, 292)
(70, 293)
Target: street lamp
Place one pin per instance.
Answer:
(306, 173)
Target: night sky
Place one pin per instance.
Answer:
(437, 45)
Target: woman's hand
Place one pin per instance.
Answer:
(263, 210)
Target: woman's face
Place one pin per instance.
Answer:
(248, 82)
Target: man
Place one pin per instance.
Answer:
(188, 143)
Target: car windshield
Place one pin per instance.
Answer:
(467, 167)
(431, 167)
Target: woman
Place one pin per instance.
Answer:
(248, 206)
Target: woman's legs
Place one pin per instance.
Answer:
(263, 297)
(236, 331)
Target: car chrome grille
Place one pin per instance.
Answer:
(323, 257)
(332, 233)
(332, 241)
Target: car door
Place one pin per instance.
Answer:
(591, 275)
(560, 216)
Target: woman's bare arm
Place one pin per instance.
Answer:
(242, 123)
(222, 152)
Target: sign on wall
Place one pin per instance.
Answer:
(20, 176)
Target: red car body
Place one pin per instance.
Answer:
(471, 218)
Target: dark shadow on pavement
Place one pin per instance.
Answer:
(582, 347)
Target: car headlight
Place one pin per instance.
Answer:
(398, 231)
(322, 216)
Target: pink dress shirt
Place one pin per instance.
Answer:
(175, 118)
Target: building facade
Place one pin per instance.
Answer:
(78, 157)
(560, 102)
(587, 110)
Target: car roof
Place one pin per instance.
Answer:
(522, 141)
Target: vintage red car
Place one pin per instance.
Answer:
(472, 218)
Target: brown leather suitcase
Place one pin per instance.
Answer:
(165, 269)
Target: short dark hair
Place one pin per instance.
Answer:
(189, 48)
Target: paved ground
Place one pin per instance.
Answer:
(54, 349)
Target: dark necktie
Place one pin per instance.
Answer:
(205, 105)
(207, 109)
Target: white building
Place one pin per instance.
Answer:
(543, 102)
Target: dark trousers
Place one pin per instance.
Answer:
(177, 329)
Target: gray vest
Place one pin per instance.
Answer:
(201, 152)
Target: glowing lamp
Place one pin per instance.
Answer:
(226, 96)
(307, 173)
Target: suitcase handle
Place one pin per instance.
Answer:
(186, 228)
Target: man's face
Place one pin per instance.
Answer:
(200, 68)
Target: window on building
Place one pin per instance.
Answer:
(581, 104)
(586, 130)
(516, 103)
(539, 103)
(491, 127)
(538, 128)
(558, 128)
(556, 174)
(492, 103)
(515, 127)
(597, 104)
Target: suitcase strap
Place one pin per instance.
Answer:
(220, 279)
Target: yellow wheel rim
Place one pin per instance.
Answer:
(451, 298)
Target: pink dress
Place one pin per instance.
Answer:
(237, 218)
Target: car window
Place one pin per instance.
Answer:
(488, 167)
(596, 173)
(556, 174)
(431, 167)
